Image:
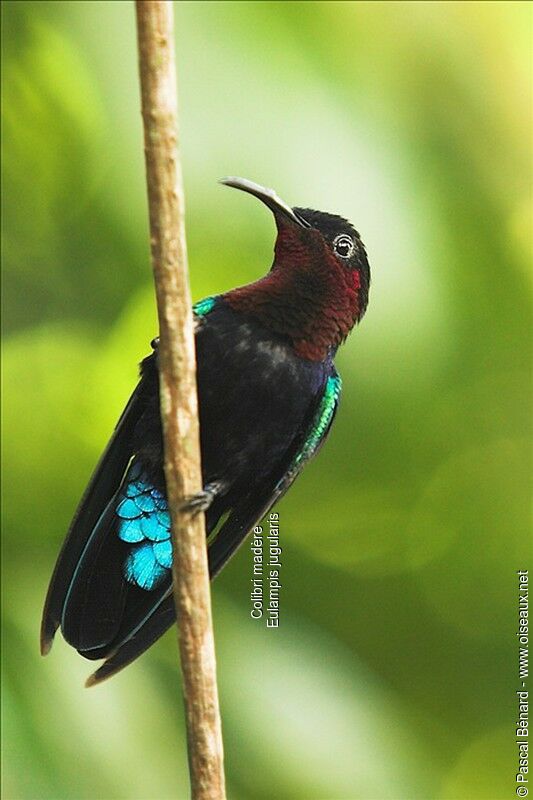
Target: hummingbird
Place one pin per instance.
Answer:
(268, 392)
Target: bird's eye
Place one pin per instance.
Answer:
(343, 245)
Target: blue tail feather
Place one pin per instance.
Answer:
(144, 523)
(143, 569)
(163, 553)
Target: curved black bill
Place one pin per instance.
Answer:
(268, 197)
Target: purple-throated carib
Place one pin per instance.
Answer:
(268, 392)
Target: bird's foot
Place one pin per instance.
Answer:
(202, 500)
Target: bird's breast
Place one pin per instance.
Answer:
(255, 395)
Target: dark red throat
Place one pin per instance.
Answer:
(308, 295)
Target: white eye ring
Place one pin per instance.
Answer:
(343, 245)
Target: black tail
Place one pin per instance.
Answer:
(100, 613)
(231, 535)
(100, 491)
(154, 627)
(103, 611)
(90, 596)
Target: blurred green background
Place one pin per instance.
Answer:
(394, 671)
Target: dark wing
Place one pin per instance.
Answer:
(256, 505)
(242, 518)
(88, 594)
(102, 486)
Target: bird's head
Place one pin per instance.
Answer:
(320, 263)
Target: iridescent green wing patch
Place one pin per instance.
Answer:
(254, 507)
(322, 421)
(203, 307)
(317, 431)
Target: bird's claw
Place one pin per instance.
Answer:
(202, 500)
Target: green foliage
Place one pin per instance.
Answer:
(392, 674)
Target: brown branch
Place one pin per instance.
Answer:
(179, 405)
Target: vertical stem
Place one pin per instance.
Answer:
(179, 405)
